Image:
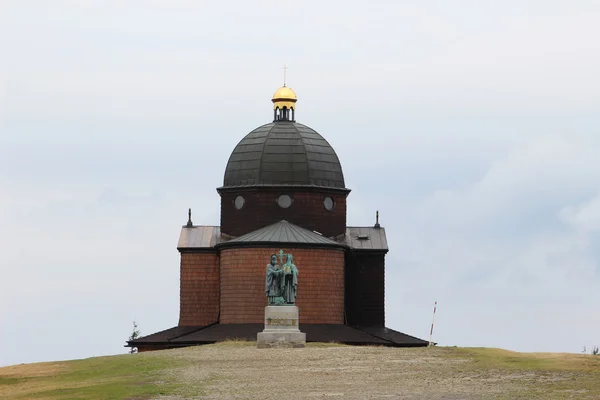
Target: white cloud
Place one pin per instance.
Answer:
(174, 60)
(518, 238)
(585, 216)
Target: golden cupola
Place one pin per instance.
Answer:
(284, 104)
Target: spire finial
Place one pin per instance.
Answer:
(284, 74)
(377, 219)
(189, 223)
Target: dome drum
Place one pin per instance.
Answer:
(265, 205)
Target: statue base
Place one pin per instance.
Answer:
(281, 328)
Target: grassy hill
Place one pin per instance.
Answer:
(239, 370)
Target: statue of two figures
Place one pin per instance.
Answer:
(282, 280)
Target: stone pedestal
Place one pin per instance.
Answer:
(281, 328)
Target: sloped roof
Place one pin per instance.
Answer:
(283, 232)
(356, 238)
(168, 334)
(199, 237)
(314, 333)
(366, 238)
(175, 337)
(393, 336)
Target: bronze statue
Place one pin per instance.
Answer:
(281, 281)
(289, 283)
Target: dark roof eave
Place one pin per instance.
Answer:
(197, 249)
(256, 244)
(372, 251)
(195, 335)
(135, 343)
(280, 186)
(187, 330)
(201, 342)
(217, 247)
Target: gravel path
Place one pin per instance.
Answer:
(240, 371)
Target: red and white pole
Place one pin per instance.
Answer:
(432, 322)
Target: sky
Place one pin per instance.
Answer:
(473, 127)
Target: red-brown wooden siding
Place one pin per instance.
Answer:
(261, 209)
(199, 289)
(320, 289)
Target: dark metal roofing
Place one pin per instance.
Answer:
(366, 238)
(284, 153)
(167, 334)
(314, 333)
(393, 336)
(284, 232)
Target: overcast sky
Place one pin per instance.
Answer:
(472, 126)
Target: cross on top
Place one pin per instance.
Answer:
(284, 73)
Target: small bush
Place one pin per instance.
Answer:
(136, 334)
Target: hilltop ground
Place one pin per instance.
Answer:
(237, 370)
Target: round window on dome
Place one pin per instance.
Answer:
(329, 203)
(284, 201)
(239, 202)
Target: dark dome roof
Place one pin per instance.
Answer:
(284, 153)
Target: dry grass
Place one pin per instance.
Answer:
(14, 379)
(117, 377)
(238, 370)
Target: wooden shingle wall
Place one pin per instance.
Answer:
(199, 289)
(320, 285)
(261, 209)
